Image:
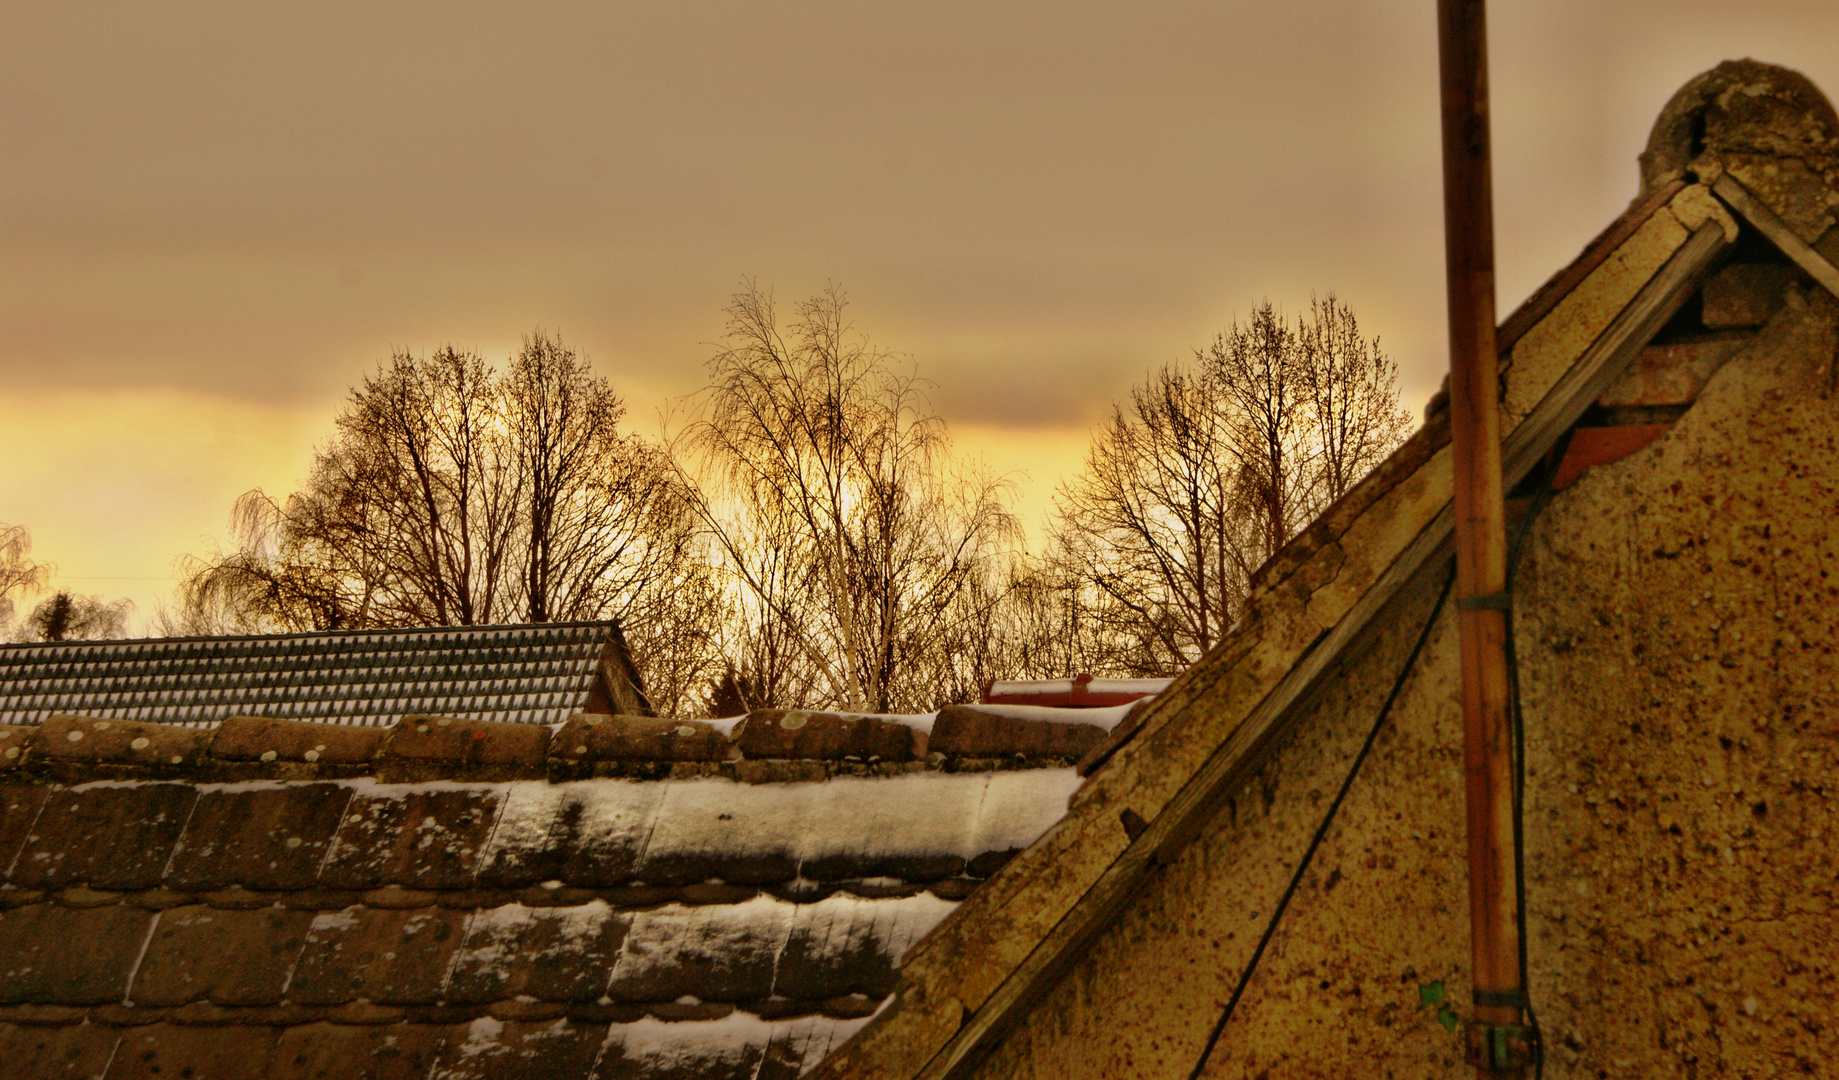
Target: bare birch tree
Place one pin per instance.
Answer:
(1153, 533)
(1210, 470)
(1350, 388)
(20, 574)
(828, 489)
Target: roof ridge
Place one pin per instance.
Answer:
(764, 746)
(477, 629)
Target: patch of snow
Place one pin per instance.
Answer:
(665, 946)
(1021, 806)
(345, 919)
(373, 788)
(840, 926)
(962, 814)
(921, 814)
(481, 1037)
(725, 725)
(695, 1045)
(606, 814)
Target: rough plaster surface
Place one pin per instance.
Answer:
(1677, 625)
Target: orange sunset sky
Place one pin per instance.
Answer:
(215, 217)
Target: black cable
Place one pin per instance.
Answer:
(1270, 929)
(1518, 721)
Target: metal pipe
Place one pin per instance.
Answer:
(1481, 544)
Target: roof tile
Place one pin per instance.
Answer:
(410, 835)
(120, 742)
(353, 1052)
(256, 738)
(585, 739)
(227, 957)
(779, 733)
(366, 675)
(495, 750)
(711, 953)
(14, 741)
(265, 838)
(389, 957)
(19, 808)
(107, 837)
(69, 956)
(164, 1051)
(550, 954)
(588, 834)
(963, 731)
(517, 1050)
(75, 1051)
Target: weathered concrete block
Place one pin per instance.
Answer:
(964, 731)
(790, 733)
(264, 738)
(121, 742)
(482, 750)
(588, 738)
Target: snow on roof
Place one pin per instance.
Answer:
(387, 900)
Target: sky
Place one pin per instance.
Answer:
(216, 217)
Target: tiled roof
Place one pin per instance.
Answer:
(538, 674)
(623, 897)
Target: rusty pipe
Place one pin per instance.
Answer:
(1481, 540)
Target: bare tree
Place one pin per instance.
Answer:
(838, 514)
(1211, 468)
(19, 574)
(1256, 372)
(451, 495)
(66, 616)
(1153, 531)
(1350, 388)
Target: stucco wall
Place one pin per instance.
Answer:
(1677, 627)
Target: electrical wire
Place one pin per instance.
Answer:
(1283, 904)
(1517, 719)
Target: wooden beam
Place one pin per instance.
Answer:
(1540, 303)
(1600, 365)
(1197, 800)
(1769, 224)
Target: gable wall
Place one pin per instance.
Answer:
(1676, 621)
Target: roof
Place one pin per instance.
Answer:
(620, 897)
(539, 674)
(1569, 360)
